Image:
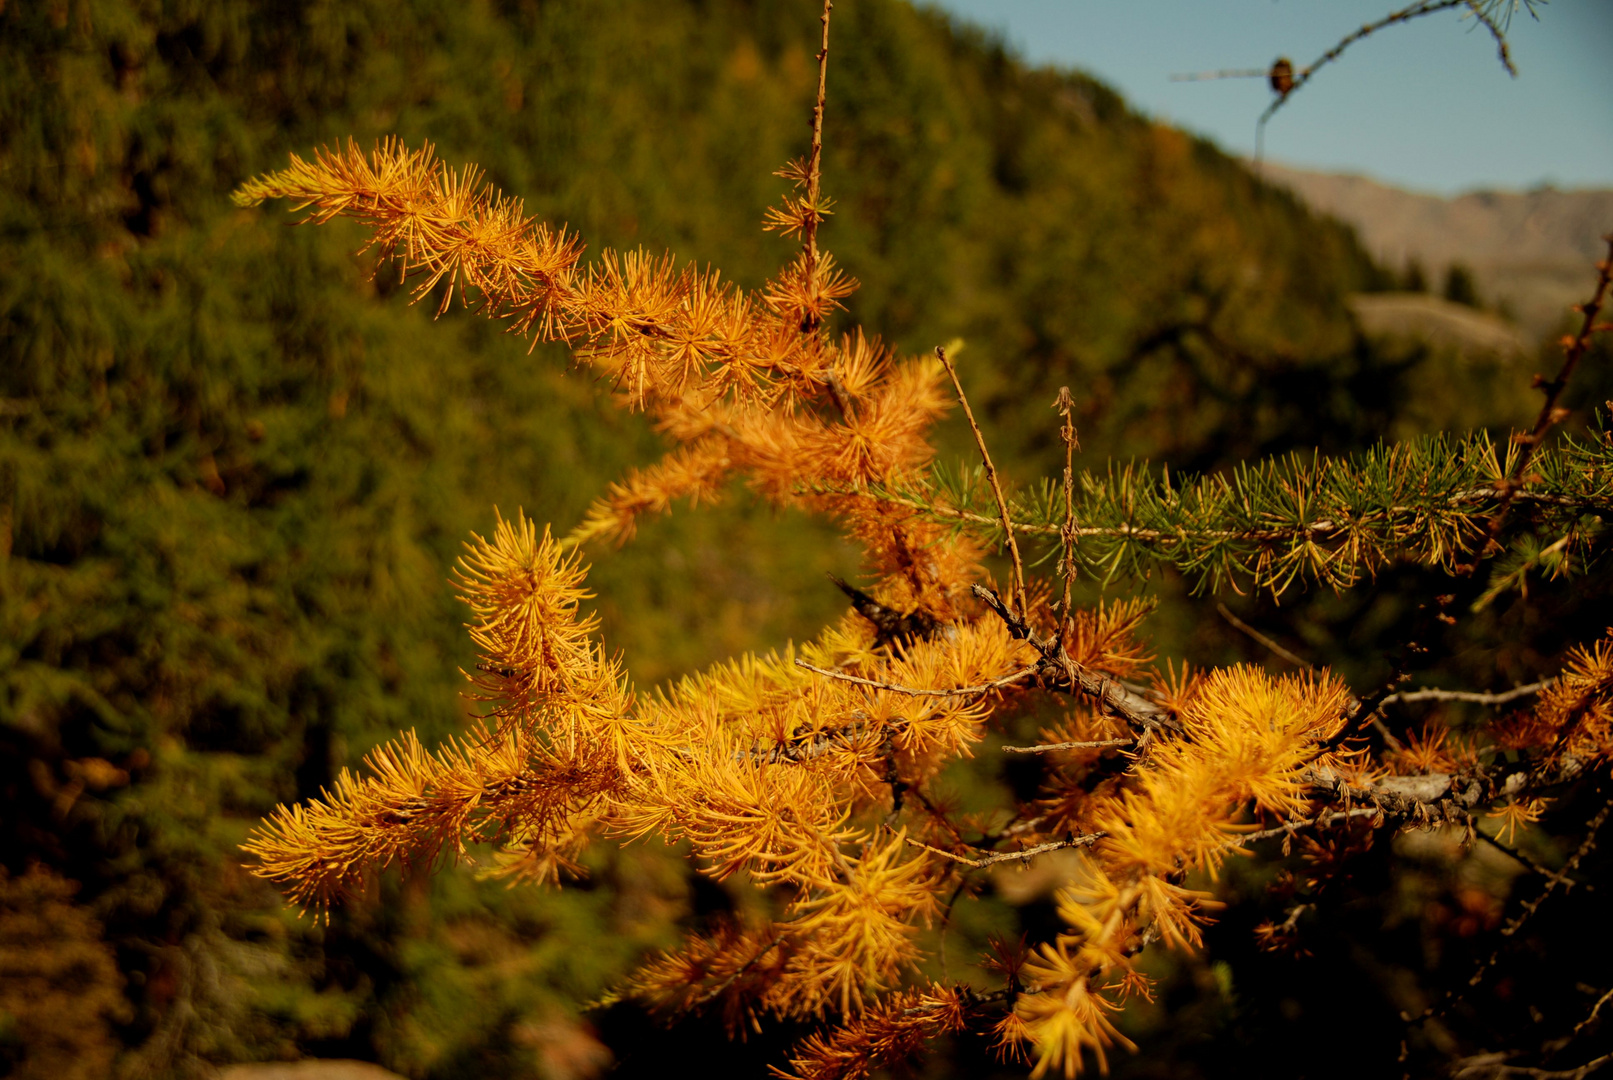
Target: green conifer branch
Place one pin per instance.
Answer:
(1287, 520)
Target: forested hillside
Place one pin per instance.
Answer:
(235, 471)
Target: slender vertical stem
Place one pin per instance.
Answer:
(809, 235)
(1064, 404)
(1239, 624)
(1573, 349)
(1017, 591)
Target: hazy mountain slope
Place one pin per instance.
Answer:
(1531, 251)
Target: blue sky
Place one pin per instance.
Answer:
(1424, 105)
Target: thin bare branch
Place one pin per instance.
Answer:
(1239, 624)
(1289, 828)
(1591, 1019)
(814, 188)
(1405, 14)
(1559, 878)
(972, 998)
(1286, 87)
(1503, 697)
(1065, 405)
(1049, 748)
(1010, 856)
(1494, 1067)
(1514, 854)
(1224, 73)
(1059, 672)
(1498, 32)
(896, 688)
(1574, 349)
(1017, 596)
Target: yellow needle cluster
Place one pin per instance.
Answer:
(1247, 740)
(808, 771)
(746, 384)
(763, 768)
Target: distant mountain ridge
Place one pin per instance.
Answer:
(1531, 251)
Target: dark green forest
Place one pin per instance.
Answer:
(236, 468)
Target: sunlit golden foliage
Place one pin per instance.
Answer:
(747, 384)
(1578, 709)
(523, 596)
(807, 772)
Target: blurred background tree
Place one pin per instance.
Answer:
(235, 471)
(1460, 287)
(1414, 280)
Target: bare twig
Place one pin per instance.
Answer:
(1591, 1019)
(1531, 906)
(1239, 624)
(816, 211)
(1072, 443)
(1515, 854)
(971, 999)
(1503, 51)
(1017, 596)
(1017, 626)
(1405, 14)
(1289, 828)
(911, 691)
(1373, 712)
(1224, 73)
(1048, 748)
(1560, 877)
(1494, 1067)
(1059, 672)
(1501, 698)
(809, 238)
(1285, 87)
(1574, 348)
(1010, 856)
